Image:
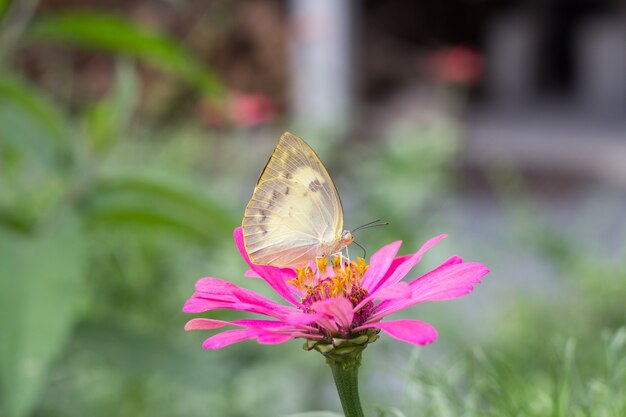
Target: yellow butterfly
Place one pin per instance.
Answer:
(295, 214)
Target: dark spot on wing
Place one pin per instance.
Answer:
(287, 191)
(264, 231)
(315, 186)
(288, 175)
(271, 202)
(263, 215)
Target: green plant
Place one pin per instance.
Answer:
(55, 197)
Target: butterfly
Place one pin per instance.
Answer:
(295, 214)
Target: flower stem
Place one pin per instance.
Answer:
(345, 373)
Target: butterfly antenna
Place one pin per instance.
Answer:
(367, 224)
(374, 223)
(362, 248)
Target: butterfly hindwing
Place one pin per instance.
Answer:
(294, 209)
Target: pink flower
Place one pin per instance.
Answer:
(332, 304)
(456, 65)
(239, 109)
(251, 109)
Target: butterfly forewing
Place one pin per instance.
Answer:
(295, 207)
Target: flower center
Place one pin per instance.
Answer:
(344, 281)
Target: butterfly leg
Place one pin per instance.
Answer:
(343, 258)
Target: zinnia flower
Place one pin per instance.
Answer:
(337, 308)
(240, 109)
(456, 65)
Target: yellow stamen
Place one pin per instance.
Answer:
(346, 277)
(337, 264)
(322, 263)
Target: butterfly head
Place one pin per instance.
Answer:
(346, 238)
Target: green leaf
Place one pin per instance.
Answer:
(40, 282)
(158, 200)
(108, 118)
(36, 153)
(29, 120)
(115, 34)
(135, 351)
(4, 6)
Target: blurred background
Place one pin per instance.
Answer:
(131, 137)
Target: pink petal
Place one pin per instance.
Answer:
(410, 331)
(205, 324)
(215, 286)
(328, 323)
(298, 318)
(285, 315)
(400, 290)
(455, 281)
(228, 337)
(211, 324)
(288, 273)
(265, 324)
(394, 265)
(262, 335)
(453, 260)
(251, 274)
(217, 290)
(253, 308)
(407, 265)
(199, 305)
(214, 293)
(339, 309)
(454, 278)
(250, 297)
(379, 264)
(270, 338)
(275, 277)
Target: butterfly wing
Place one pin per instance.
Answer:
(295, 207)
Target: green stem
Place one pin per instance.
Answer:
(345, 373)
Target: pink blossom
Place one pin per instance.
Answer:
(456, 65)
(343, 301)
(239, 109)
(251, 109)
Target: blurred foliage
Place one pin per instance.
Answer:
(413, 161)
(116, 34)
(575, 384)
(107, 221)
(595, 277)
(61, 212)
(41, 274)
